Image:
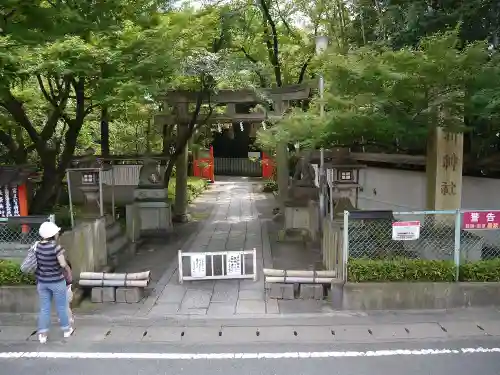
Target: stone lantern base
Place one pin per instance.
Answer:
(150, 214)
(302, 219)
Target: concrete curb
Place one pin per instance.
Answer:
(414, 295)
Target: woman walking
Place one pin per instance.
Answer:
(51, 283)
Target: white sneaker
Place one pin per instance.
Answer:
(69, 332)
(42, 337)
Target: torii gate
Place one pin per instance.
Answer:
(180, 101)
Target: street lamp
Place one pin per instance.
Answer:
(321, 45)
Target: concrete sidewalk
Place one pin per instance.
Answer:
(343, 327)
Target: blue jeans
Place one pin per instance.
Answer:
(45, 293)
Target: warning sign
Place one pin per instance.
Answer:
(405, 230)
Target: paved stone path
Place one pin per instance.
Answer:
(234, 225)
(236, 215)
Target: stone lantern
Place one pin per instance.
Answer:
(301, 205)
(90, 186)
(343, 181)
(90, 178)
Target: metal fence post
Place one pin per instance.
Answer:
(179, 259)
(68, 184)
(113, 208)
(456, 255)
(101, 200)
(345, 245)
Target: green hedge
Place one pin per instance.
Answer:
(483, 270)
(368, 270)
(10, 274)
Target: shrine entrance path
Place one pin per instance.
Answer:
(233, 214)
(238, 221)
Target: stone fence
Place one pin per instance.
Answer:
(86, 246)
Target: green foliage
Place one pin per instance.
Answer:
(378, 96)
(403, 269)
(483, 270)
(367, 270)
(10, 274)
(56, 73)
(62, 62)
(270, 186)
(195, 186)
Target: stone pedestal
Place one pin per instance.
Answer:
(301, 215)
(151, 212)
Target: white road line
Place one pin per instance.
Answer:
(205, 356)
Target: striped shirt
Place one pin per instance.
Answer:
(48, 269)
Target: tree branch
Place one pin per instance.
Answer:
(91, 107)
(8, 142)
(46, 95)
(58, 101)
(304, 69)
(287, 25)
(271, 41)
(262, 79)
(16, 110)
(74, 125)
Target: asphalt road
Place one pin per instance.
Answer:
(450, 357)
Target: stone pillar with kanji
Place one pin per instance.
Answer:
(444, 170)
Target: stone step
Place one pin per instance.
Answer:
(117, 244)
(112, 231)
(118, 258)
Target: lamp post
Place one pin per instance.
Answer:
(321, 45)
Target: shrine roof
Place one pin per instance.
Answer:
(15, 175)
(389, 158)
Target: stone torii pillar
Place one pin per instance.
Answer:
(181, 170)
(283, 171)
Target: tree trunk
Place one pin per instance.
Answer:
(104, 131)
(47, 191)
(168, 172)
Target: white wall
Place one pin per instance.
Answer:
(401, 190)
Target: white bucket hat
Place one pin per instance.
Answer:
(48, 229)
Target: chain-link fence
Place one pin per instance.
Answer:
(462, 236)
(17, 234)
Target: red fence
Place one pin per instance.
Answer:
(204, 167)
(267, 166)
